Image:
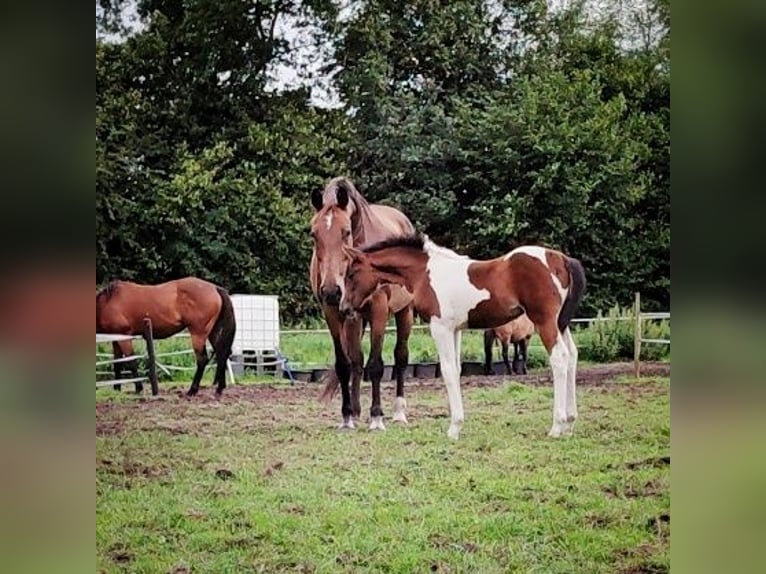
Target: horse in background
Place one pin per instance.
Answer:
(205, 309)
(453, 292)
(517, 332)
(344, 218)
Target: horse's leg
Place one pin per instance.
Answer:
(508, 369)
(353, 347)
(126, 350)
(444, 337)
(200, 352)
(458, 337)
(558, 356)
(515, 362)
(336, 324)
(571, 379)
(489, 339)
(378, 320)
(524, 347)
(222, 353)
(221, 341)
(117, 352)
(404, 320)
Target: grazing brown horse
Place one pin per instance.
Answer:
(205, 309)
(453, 292)
(344, 218)
(517, 332)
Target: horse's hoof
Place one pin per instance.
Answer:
(400, 417)
(453, 432)
(560, 429)
(192, 392)
(347, 425)
(376, 424)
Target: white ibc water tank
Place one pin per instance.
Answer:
(256, 343)
(257, 323)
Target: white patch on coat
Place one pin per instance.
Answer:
(448, 275)
(531, 250)
(328, 219)
(563, 291)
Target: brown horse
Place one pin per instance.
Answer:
(205, 309)
(517, 332)
(453, 292)
(344, 218)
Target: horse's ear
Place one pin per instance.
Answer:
(316, 199)
(341, 196)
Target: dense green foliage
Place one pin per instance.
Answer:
(489, 124)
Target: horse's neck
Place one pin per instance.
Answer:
(368, 226)
(407, 269)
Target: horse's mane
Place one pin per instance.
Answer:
(108, 291)
(407, 241)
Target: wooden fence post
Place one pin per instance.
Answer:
(637, 334)
(151, 359)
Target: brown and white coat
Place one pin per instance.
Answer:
(453, 292)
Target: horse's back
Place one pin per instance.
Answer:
(171, 306)
(388, 222)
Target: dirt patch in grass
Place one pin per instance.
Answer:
(286, 395)
(132, 468)
(176, 414)
(647, 568)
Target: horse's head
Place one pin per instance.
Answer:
(361, 280)
(331, 232)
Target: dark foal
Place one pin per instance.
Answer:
(517, 332)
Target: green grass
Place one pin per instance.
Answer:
(261, 481)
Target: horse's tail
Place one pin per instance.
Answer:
(575, 294)
(225, 327)
(331, 386)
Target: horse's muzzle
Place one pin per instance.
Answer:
(331, 296)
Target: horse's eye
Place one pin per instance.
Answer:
(346, 233)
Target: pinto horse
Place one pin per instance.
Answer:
(517, 332)
(205, 309)
(343, 218)
(453, 292)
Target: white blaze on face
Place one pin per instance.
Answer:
(539, 253)
(448, 275)
(328, 219)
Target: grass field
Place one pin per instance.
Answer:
(260, 481)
